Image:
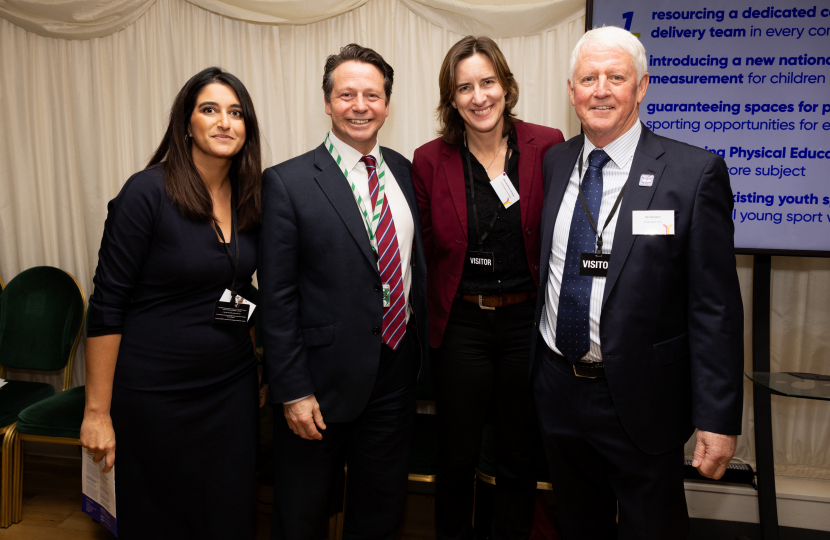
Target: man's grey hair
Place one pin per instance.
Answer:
(611, 37)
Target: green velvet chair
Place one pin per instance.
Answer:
(41, 316)
(56, 419)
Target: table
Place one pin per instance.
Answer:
(788, 384)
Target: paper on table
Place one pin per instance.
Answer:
(99, 493)
(3, 382)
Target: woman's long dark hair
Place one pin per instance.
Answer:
(182, 181)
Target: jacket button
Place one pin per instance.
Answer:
(527, 232)
(377, 287)
(376, 330)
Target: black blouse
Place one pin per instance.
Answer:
(511, 273)
(158, 278)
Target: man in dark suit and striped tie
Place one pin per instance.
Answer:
(343, 298)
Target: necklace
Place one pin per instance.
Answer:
(487, 168)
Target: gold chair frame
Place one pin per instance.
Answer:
(11, 504)
(5, 471)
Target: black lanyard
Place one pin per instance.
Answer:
(473, 195)
(588, 211)
(234, 240)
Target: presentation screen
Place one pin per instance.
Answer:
(749, 82)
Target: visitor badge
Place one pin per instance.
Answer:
(505, 190)
(652, 222)
(591, 264)
(480, 261)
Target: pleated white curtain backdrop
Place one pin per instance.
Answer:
(80, 116)
(86, 19)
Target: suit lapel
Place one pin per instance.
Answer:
(636, 198)
(453, 171)
(527, 163)
(560, 176)
(337, 190)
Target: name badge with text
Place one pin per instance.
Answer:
(591, 264)
(653, 222)
(235, 313)
(505, 190)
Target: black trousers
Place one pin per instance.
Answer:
(481, 370)
(595, 466)
(376, 447)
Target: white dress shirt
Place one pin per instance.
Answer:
(614, 175)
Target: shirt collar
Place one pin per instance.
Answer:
(621, 150)
(349, 157)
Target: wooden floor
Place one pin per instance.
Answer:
(52, 507)
(52, 503)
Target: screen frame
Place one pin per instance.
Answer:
(589, 24)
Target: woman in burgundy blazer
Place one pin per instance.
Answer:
(483, 272)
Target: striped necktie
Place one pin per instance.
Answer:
(389, 263)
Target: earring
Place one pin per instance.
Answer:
(186, 137)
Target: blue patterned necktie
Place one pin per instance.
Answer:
(573, 337)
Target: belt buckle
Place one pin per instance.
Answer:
(483, 306)
(583, 376)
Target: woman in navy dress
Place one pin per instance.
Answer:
(173, 385)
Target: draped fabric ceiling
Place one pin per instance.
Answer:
(86, 86)
(86, 19)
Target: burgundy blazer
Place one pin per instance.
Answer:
(439, 183)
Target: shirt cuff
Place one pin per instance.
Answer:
(296, 400)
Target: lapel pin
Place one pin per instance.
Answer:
(646, 180)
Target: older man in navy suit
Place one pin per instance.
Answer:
(639, 321)
(343, 280)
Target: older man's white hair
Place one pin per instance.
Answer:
(611, 37)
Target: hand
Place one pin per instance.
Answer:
(98, 437)
(713, 453)
(304, 418)
(263, 395)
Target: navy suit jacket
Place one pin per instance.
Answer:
(321, 303)
(671, 327)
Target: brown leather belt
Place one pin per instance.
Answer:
(499, 300)
(590, 370)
